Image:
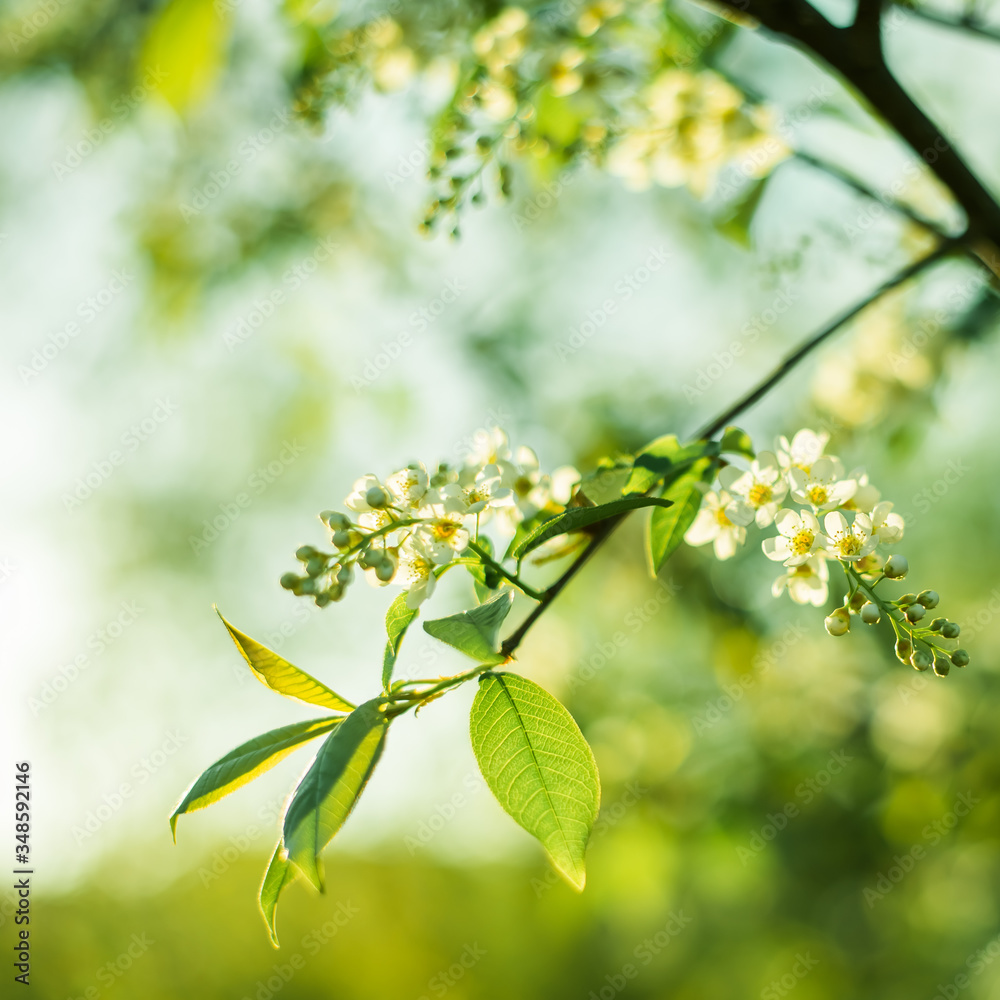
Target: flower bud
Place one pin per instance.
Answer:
(322, 600)
(308, 586)
(942, 666)
(904, 649)
(897, 567)
(316, 565)
(906, 600)
(305, 552)
(838, 622)
(935, 625)
(915, 612)
(336, 520)
(857, 601)
(344, 575)
(385, 570)
(289, 581)
(951, 630)
(921, 659)
(341, 538)
(335, 592)
(369, 558)
(870, 614)
(960, 658)
(377, 498)
(928, 598)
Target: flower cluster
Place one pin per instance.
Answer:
(837, 517)
(412, 526)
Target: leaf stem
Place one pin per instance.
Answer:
(488, 560)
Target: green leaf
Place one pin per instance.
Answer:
(328, 791)
(279, 675)
(477, 632)
(735, 223)
(279, 873)
(538, 765)
(606, 482)
(577, 518)
(662, 460)
(485, 579)
(397, 621)
(667, 526)
(240, 766)
(737, 442)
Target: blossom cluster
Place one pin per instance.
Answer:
(410, 527)
(824, 514)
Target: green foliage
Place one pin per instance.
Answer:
(579, 518)
(397, 621)
(737, 442)
(476, 632)
(281, 676)
(667, 525)
(663, 459)
(240, 766)
(279, 873)
(538, 765)
(330, 788)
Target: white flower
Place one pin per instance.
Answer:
(887, 526)
(799, 538)
(802, 451)
(472, 498)
(806, 582)
(490, 446)
(416, 571)
(823, 487)
(564, 479)
(443, 538)
(357, 498)
(757, 494)
(865, 496)
(849, 542)
(408, 487)
(713, 525)
(530, 489)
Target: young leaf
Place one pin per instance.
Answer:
(663, 460)
(605, 483)
(577, 518)
(667, 526)
(329, 790)
(477, 632)
(737, 442)
(538, 765)
(279, 873)
(279, 675)
(240, 766)
(397, 621)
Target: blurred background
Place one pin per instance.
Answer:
(230, 288)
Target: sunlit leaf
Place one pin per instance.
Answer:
(663, 459)
(279, 873)
(578, 518)
(476, 632)
(329, 790)
(538, 765)
(281, 676)
(397, 621)
(240, 766)
(737, 442)
(668, 525)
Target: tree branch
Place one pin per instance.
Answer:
(968, 24)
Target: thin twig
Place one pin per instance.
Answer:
(762, 388)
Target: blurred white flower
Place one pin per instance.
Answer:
(802, 450)
(756, 493)
(887, 526)
(805, 582)
(824, 486)
(713, 525)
